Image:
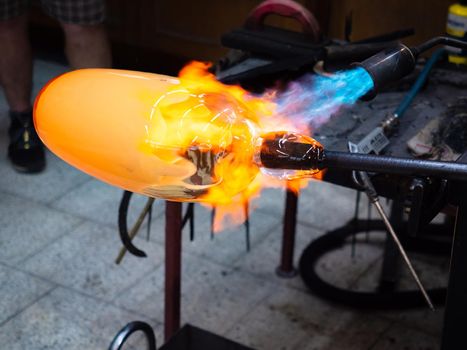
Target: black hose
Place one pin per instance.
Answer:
(367, 300)
(125, 238)
(129, 329)
(123, 226)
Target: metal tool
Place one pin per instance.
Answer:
(364, 181)
(190, 217)
(135, 229)
(377, 139)
(136, 326)
(390, 65)
(126, 236)
(277, 152)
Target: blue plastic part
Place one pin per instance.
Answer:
(408, 99)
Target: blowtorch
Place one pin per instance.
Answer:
(392, 64)
(280, 151)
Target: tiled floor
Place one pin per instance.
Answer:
(60, 288)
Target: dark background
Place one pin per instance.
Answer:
(161, 35)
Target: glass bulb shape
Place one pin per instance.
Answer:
(145, 133)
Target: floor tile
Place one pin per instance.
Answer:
(265, 328)
(225, 246)
(55, 181)
(359, 337)
(265, 258)
(325, 205)
(271, 201)
(213, 297)
(289, 317)
(84, 260)
(65, 320)
(18, 291)
(27, 227)
(318, 342)
(433, 272)
(343, 266)
(400, 337)
(99, 202)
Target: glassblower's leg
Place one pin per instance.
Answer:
(87, 46)
(16, 63)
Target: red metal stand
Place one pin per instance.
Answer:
(286, 268)
(173, 264)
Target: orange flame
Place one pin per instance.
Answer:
(186, 139)
(232, 133)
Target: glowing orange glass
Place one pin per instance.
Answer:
(186, 139)
(144, 132)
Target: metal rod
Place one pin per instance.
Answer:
(391, 264)
(246, 209)
(393, 165)
(286, 268)
(213, 218)
(374, 198)
(173, 267)
(439, 40)
(191, 206)
(303, 156)
(148, 230)
(355, 220)
(403, 253)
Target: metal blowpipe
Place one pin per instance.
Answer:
(277, 154)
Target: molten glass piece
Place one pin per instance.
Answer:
(186, 139)
(289, 155)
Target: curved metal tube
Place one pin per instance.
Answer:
(128, 330)
(438, 40)
(123, 227)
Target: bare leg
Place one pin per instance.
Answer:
(16, 63)
(86, 46)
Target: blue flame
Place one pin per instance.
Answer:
(313, 99)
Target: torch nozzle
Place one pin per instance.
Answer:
(392, 64)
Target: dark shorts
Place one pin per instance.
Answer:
(67, 11)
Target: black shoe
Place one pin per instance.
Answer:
(25, 151)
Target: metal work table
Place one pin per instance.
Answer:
(352, 124)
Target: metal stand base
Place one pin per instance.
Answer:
(286, 268)
(286, 274)
(173, 268)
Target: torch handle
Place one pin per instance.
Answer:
(393, 165)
